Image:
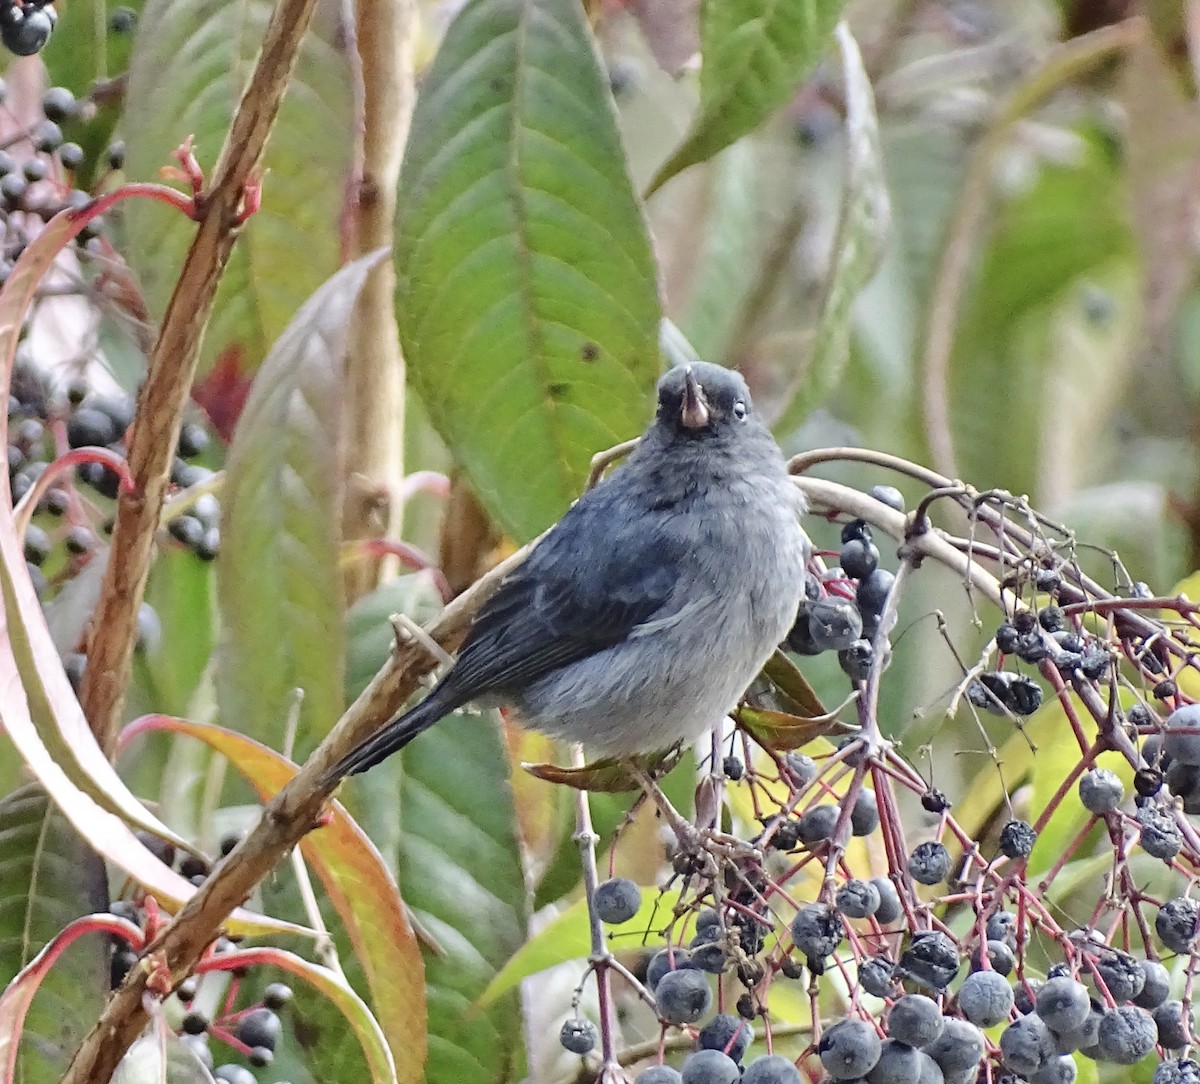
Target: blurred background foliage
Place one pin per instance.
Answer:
(1030, 320)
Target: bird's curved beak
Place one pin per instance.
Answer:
(693, 412)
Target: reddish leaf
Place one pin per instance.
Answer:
(18, 995)
(334, 987)
(359, 886)
(222, 393)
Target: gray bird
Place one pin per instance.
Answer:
(642, 616)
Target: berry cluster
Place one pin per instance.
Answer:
(936, 958)
(844, 606)
(251, 1033)
(39, 171)
(47, 430)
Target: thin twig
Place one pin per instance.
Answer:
(220, 212)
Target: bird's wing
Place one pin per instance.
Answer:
(588, 585)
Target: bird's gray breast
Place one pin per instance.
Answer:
(735, 597)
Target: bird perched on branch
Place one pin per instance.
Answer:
(642, 616)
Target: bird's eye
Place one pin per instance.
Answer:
(739, 410)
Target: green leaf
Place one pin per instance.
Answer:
(49, 878)
(755, 54)
(277, 573)
(186, 77)
(358, 884)
(568, 937)
(1050, 246)
(84, 49)
(861, 236)
(460, 865)
(731, 256)
(527, 297)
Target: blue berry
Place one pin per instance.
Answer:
(959, 1048)
(729, 1034)
(659, 1074)
(668, 959)
(1175, 923)
(1169, 1022)
(858, 899)
(1122, 975)
(1101, 791)
(864, 816)
(929, 863)
(683, 996)
(816, 825)
(1063, 1004)
(931, 959)
(1127, 1034)
(889, 908)
(771, 1069)
(1026, 1045)
(1058, 1070)
(578, 1036)
(617, 901)
(985, 998)
(710, 1067)
(898, 1063)
(915, 1020)
(849, 1049)
(817, 930)
(1157, 986)
(1183, 747)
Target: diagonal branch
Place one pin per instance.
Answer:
(294, 812)
(161, 401)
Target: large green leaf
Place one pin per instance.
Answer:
(1046, 284)
(186, 78)
(755, 54)
(48, 878)
(861, 236)
(461, 873)
(277, 574)
(527, 296)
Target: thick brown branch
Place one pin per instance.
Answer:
(293, 813)
(172, 367)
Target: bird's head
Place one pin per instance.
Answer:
(702, 400)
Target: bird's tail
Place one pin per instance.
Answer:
(391, 738)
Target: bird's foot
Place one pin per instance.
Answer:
(693, 841)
